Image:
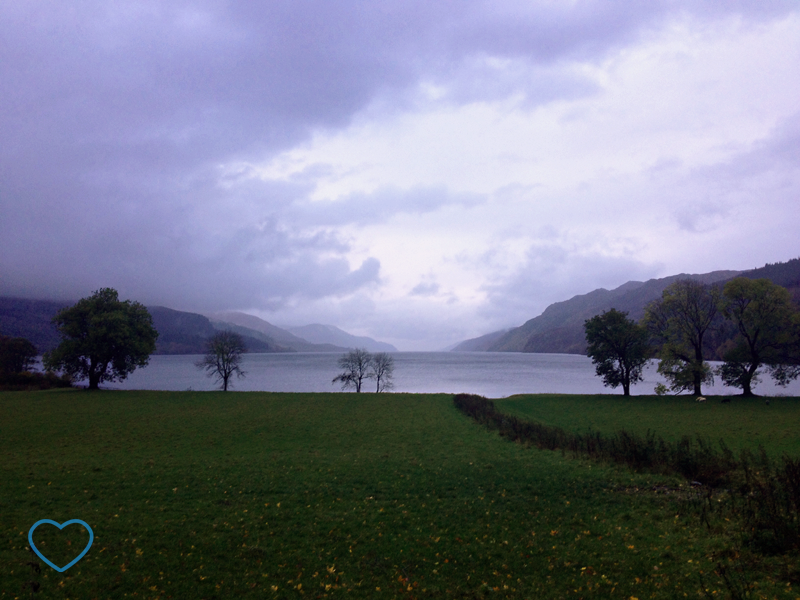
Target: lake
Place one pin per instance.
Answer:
(495, 375)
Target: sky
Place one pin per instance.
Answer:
(419, 172)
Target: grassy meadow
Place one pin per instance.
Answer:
(742, 423)
(269, 495)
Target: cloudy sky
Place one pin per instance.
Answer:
(420, 172)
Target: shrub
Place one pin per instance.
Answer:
(27, 381)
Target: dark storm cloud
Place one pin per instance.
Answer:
(120, 123)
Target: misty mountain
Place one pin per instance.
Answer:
(31, 319)
(328, 334)
(188, 333)
(178, 332)
(243, 322)
(479, 344)
(559, 329)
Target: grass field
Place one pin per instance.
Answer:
(258, 495)
(743, 423)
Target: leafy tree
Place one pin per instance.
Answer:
(356, 366)
(102, 338)
(767, 334)
(681, 322)
(619, 348)
(17, 355)
(223, 356)
(382, 370)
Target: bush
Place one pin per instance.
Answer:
(27, 381)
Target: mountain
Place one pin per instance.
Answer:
(479, 344)
(187, 333)
(242, 321)
(785, 274)
(178, 332)
(31, 319)
(328, 334)
(559, 329)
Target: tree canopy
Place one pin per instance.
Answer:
(618, 347)
(17, 355)
(680, 322)
(102, 338)
(223, 357)
(766, 333)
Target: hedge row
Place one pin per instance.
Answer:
(765, 493)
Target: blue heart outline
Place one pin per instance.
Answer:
(61, 526)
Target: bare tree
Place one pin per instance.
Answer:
(223, 356)
(356, 368)
(382, 370)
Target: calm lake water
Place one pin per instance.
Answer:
(495, 375)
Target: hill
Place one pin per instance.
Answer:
(22, 317)
(328, 334)
(240, 321)
(178, 332)
(187, 333)
(785, 274)
(559, 329)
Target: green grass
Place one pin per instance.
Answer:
(259, 495)
(743, 423)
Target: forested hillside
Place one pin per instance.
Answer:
(559, 329)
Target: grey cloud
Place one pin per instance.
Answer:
(484, 80)
(553, 272)
(117, 118)
(701, 217)
(765, 170)
(425, 289)
(380, 205)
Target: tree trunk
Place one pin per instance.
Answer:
(747, 380)
(697, 373)
(94, 381)
(94, 376)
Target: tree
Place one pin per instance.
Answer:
(765, 321)
(17, 355)
(382, 370)
(356, 366)
(102, 338)
(223, 356)
(680, 322)
(619, 348)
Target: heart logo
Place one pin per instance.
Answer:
(60, 526)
